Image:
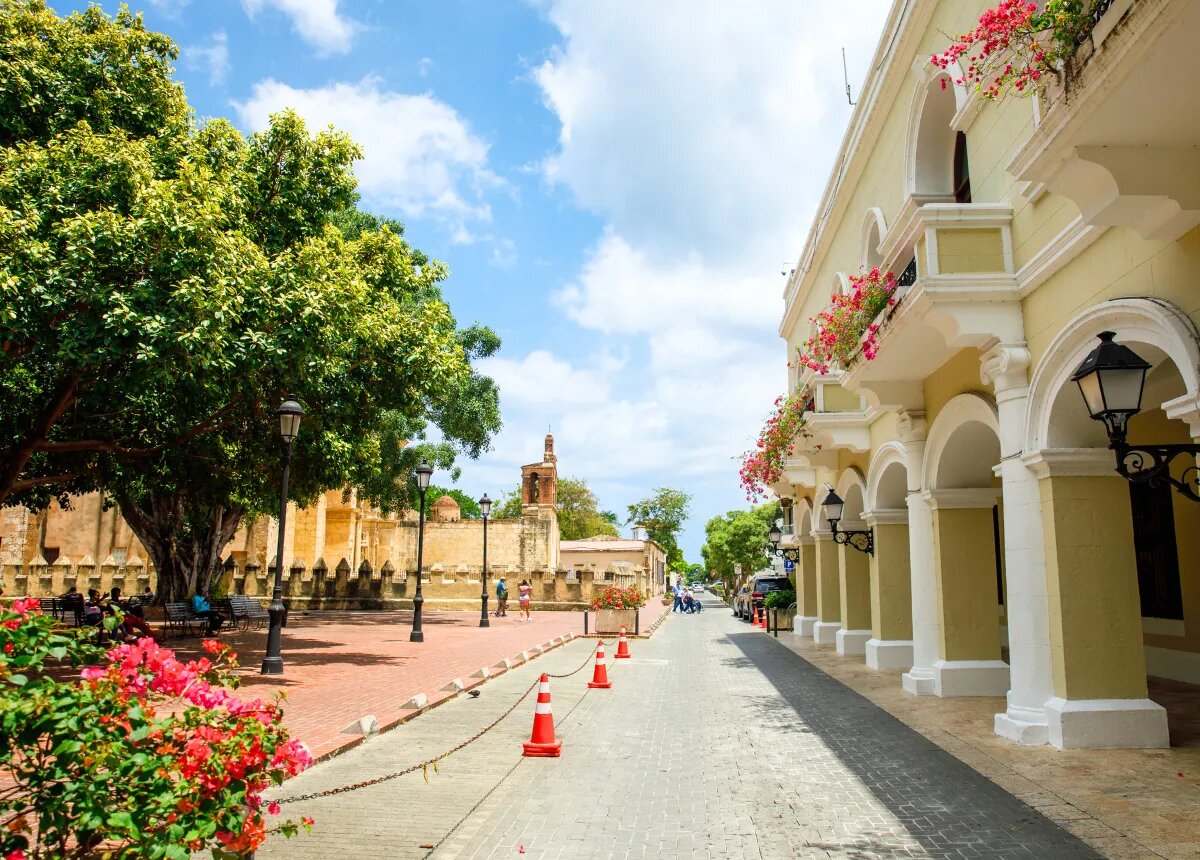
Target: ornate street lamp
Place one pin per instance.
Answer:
(1112, 379)
(775, 535)
(485, 508)
(290, 412)
(863, 541)
(423, 472)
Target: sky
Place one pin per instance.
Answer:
(617, 186)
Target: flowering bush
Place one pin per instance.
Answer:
(841, 326)
(616, 597)
(763, 465)
(92, 769)
(1014, 45)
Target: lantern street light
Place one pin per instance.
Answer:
(775, 535)
(290, 412)
(423, 472)
(863, 541)
(1112, 379)
(485, 508)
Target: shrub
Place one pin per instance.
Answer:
(126, 751)
(841, 326)
(779, 599)
(616, 597)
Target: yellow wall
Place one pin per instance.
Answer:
(829, 603)
(959, 374)
(1091, 578)
(968, 613)
(968, 251)
(891, 596)
(855, 589)
(838, 399)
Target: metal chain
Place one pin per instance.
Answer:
(433, 762)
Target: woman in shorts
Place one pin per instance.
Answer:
(525, 599)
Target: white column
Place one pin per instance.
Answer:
(919, 679)
(1031, 683)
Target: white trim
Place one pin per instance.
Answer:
(1137, 320)
(885, 457)
(918, 681)
(1173, 664)
(851, 479)
(885, 655)
(852, 641)
(958, 411)
(1163, 627)
(1107, 724)
(1071, 463)
(960, 499)
(953, 678)
(886, 517)
(803, 624)
(873, 219)
(1068, 244)
(825, 632)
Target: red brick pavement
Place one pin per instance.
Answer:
(339, 666)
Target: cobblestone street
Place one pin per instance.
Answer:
(714, 741)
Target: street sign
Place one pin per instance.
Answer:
(789, 565)
(737, 569)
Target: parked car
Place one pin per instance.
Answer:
(750, 598)
(697, 588)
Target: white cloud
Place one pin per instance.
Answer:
(170, 8)
(420, 156)
(317, 22)
(213, 58)
(504, 254)
(424, 66)
(702, 132)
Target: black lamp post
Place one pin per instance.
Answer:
(775, 536)
(290, 412)
(1112, 379)
(485, 508)
(424, 473)
(863, 541)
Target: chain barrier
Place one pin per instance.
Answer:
(433, 762)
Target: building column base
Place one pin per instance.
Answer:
(852, 641)
(889, 654)
(918, 681)
(803, 624)
(1107, 724)
(952, 678)
(1025, 726)
(825, 632)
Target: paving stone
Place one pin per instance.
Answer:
(715, 742)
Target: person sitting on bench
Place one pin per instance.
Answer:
(202, 609)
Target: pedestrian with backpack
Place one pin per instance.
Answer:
(501, 598)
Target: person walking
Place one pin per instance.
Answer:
(501, 598)
(525, 599)
(678, 598)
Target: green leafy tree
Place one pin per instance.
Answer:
(165, 286)
(663, 515)
(738, 537)
(509, 506)
(468, 506)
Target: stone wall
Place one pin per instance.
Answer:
(340, 587)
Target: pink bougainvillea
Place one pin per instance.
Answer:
(763, 465)
(848, 324)
(1015, 45)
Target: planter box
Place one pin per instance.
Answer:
(610, 621)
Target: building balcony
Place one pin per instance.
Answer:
(963, 294)
(1119, 134)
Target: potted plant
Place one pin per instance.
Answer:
(617, 607)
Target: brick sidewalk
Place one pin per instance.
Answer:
(340, 666)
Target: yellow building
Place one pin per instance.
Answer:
(1009, 558)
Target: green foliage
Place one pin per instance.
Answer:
(164, 286)
(468, 506)
(143, 756)
(579, 516)
(738, 537)
(509, 506)
(695, 573)
(779, 599)
(663, 515)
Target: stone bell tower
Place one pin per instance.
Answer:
(539, 483)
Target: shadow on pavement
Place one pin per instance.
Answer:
(948, 807)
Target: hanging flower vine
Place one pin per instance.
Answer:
(1015, 45)
(763, 465)
(849, 323)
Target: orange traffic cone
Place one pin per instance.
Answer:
(622, 647)
(762, 617)
(542, 742)
(600, 675)
(753, 617)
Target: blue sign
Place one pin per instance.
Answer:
(789, 565)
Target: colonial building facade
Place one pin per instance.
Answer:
(1009, 558)
(338, 553)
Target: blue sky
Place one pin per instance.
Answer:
(616, 186)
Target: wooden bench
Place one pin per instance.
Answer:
(244, 611)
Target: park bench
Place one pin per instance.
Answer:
(66, 610)
(244, 611)
(180, 618)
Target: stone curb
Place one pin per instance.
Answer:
(454, 688)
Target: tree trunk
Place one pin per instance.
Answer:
(185, 541)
